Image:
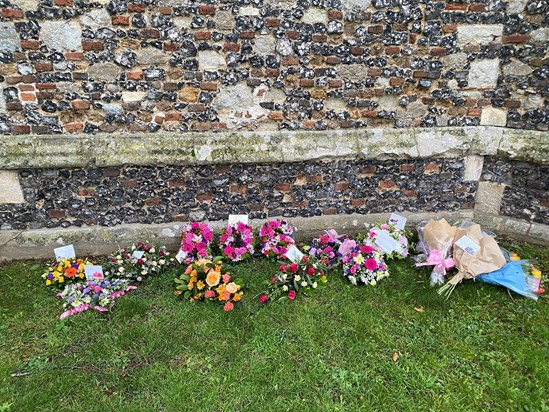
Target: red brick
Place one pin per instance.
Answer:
(220, 169)
(276, 116)
(120, 20)
(332, 60)
(26, 87)
(204, 10)
(110, 172)
(56, 214)
(515, 39)
(431, 168)
(195, 108)
(247, 35)
(314, 179)
(219, 125)
(449, 28)
(456, 7)
(134, 75)
(272, 72)
(477, 7)
(63, 3)
(128, 184)
(387, 184)
(335, 83)
(12, 13)
(234, 47)
(395, 81)
(329, 211)
(150, 33)
(358, 51)
(75, 56)
(235, 188)
(340, 186)
(290, 61)
(357, 202)
(74, 127)
(272, 22)
(80, 104)
(176, 183)
(20, 128)
(46, 86)
(136, 8)
(474, 112)
(283, 187)
(203, 35)
(28, 97)
(204, 197)
(335, 14)
(392, 50)
(168, 46)
(43, 67)
(85, 191)
(306, 82)
(368, 113)
(210, 86)
(437, 51)
(410, 193)
(320, 38)
(30, 44)
(408, 167)
(375, 29)
(166, 11)
(92, 45)
(173, 117)
(374, 71)
(511, 104)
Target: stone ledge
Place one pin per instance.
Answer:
(106, 150)
(98, 240)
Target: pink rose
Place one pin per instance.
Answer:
(282, 268)
(226, 278)
(310, 271)
(263, 299)
(366, 249)
(228, 307)
(209, 294)
(291, 294)
(293, 268)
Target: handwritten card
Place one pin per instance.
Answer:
(398, 221)
(386, 242)
(233, 219)
(294, 254)
(94, 272)
(138, 254)
(180, 256)
(467, 244)
(65, 252)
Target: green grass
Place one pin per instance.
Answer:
(483, 349)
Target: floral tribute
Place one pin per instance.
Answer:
(237, 242)
(303, 277)
(196, 241)
(204, 280)
(401, 251)
(276, 236)
(98, 294)
(364, 265)
(65, 272)
(325, 248)
(138, 261)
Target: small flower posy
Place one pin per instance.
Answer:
(325, 248)
(364, 265)
(204, 280)
(138, 261)
(237, 242)
(196, 241)
(65, 272)
(275, 237)
(399, 235)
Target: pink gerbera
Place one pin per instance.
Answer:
(370, 264)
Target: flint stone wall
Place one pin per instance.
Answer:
(70, 66)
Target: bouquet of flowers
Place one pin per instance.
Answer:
(195, 242)
(303, 277)
(364, 265)
(346, 248)
(65, 272)
(138, 261)
(96, 294)
(237, 242)
(276, 236)
(203, 280)
(400, 247)
(325, 248)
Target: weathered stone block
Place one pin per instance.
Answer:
(129, 97)
(443, 142)
(484, 73)
(473, 168)
(488, 198)
(62, 35)
(9, 39)
(211, 60)
(517, 68)
(104, 71)
(96, 19)
(479, 33)
(491, 116)
(10, 188)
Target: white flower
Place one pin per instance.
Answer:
(121, 269)
(285, 288)
(154, 263)
(152, 250)
(139, 278)
(119, 257)
(297, 278)
(144, 272)
(303, 283)
(161, 261)
(144, 259)
(284, 276)
(133, 247)
(373, 283)
(315, 285)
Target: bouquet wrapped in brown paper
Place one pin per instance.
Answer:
(474, 253)
(436, 238)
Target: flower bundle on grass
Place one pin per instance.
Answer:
(276, 236)
(196, 241)
(237, 242)
(364, 265)
(325, 248)
(204, 280)
(65, 272)
(303, 277)
(94, 294)
(401, 250)
(138, 261)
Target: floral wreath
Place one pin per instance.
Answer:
(237, 242)
(399, 235)
(275, 237)
(364, 265)
(65, 272)
(138, 261)
(326, 248)
(196, 239)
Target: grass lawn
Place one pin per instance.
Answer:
(482, 350)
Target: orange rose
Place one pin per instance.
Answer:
(213, 277)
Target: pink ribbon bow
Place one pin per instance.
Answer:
(436, 259)
(79, 309)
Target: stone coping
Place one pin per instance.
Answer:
(99, 240)
(162, 148)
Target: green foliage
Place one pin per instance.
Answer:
(484, 349)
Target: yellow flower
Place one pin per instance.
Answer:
(81, 267)
(200, 285)
(48, 282)
(178, 292)
(198, 296)
(60, 279)
(213, 277)
(67, 263)
(237, 296)
(221, 292)
(536, 272)
(514, 257)
(60, 268)
(81, 276)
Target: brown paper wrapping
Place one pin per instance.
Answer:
(438, 234)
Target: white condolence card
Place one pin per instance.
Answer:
(93, 272)
(233, 219)
(65, 252)
(386, 242)
(468, 245)
(398, 221)
(294, 254)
